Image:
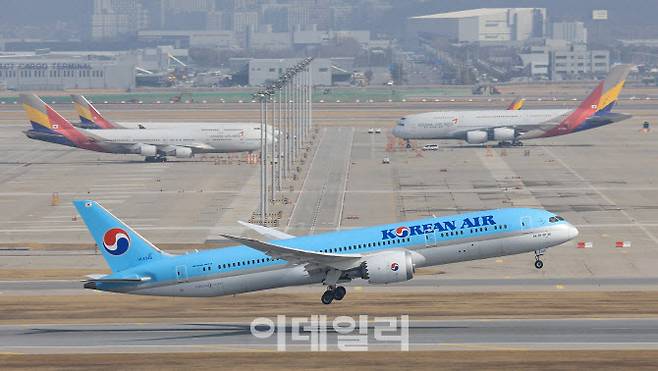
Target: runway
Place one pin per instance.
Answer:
(493, 334)
(428, 282)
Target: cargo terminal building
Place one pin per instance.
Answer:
(61, 71)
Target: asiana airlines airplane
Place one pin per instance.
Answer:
(381, 254)
(512, 126)
(154, 144)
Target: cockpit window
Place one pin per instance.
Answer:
(555, 219)
(400, 123)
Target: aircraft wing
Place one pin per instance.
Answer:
(297, 256)
(267, 232)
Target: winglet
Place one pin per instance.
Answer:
(267, 232)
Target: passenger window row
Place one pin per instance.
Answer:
(365, 245)
(245, 262)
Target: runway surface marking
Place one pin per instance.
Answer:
(602, 195)
(581, 333)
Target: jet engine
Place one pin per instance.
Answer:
(388, 267)
(147, 149)
(183, 152)
(476, 137)
(502, 134)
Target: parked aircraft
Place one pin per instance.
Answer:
(510, 127)
(154, 144)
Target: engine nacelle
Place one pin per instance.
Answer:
(183, 152)
(388, 267)
(476, 137)
(147, 150)
(501, 134)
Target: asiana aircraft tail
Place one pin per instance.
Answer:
(594, 111)
(516, 104)
(48, 125)
(379, 254)
(90, 118)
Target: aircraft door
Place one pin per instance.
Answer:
(525, 222)
(430, 239)
(181, 273)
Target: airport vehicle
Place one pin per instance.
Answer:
(510, 127)
(380, 254)
(153, 144)
(431, 147)
(91, 118)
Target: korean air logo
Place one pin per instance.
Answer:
(116, 241)
(395, 266)
(402, 231)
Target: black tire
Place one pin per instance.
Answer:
(539, 264)
(339, 293)
(327, 297)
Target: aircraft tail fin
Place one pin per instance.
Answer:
(42, 116)
(612, 86)
(516, 104)
(602, 98)
(120, 245)
(89, 115)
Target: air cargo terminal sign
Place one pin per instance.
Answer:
(45, 66)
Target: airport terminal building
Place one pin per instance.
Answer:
(67, 71)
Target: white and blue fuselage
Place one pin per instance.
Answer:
(402, 247)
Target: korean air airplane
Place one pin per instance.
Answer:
(381, 254)
(155, 144)
(510, 127)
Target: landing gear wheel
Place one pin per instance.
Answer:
(328, 297)
(539, 264)
(339, 293)
(408, 143)
(517, 143)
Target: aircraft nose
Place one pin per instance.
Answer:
(396, 132)
(572, 231)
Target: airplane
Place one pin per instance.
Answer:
(380, 254)
(510, 127)
(154, 144)
(91, 118)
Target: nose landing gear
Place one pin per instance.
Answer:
(538, 263)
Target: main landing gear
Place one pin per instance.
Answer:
(333, 293)
(155, 158)
(538, 263)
